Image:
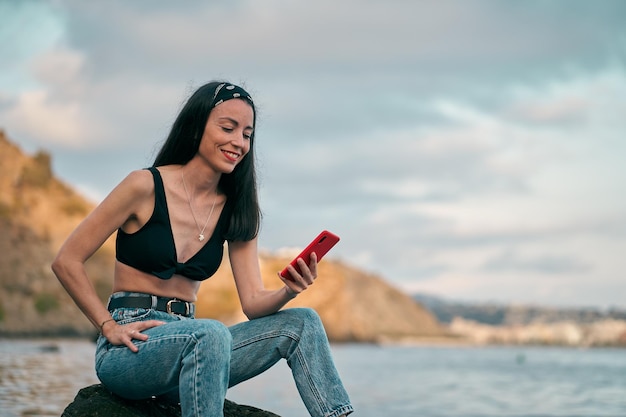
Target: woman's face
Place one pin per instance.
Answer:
(226, 137)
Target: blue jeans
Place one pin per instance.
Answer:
(194, 361)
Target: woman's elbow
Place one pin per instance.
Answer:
(253, 311)
(249, 313)
(59, 265)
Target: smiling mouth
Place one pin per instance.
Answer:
(232, 156)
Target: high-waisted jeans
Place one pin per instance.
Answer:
(194, 361)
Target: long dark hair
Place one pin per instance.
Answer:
(240, 186)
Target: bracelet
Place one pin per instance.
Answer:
(105, 322)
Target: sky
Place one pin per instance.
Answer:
(472, 150)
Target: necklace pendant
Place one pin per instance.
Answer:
(201, 237)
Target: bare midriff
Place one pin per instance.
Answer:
(130, 279)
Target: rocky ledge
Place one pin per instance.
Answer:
(97, 401)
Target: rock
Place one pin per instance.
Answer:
(97, 401)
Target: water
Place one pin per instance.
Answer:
(40, 377)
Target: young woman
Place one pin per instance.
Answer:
(172, 221)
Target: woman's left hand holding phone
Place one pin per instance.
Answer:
(298, 282)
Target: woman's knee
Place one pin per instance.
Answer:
(304, 313)
(306, 317)
(214, 334)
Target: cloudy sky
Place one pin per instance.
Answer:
(469, 149)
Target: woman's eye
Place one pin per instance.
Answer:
(227, 129)
(248, 137)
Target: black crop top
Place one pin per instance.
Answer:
(151, 249)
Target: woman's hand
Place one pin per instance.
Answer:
(118, 334)
(301, 281)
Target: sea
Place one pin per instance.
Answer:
(41, 377)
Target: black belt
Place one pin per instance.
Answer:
(169, 305)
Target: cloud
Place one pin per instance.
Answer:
(468, 148)
(544, 274)
(27, 29)
(478, 204)
(511, 261)
(36, 114)
(54, 111)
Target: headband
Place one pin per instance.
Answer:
(226, 91)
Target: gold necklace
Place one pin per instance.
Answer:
(200, 231)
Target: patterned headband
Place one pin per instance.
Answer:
(226, 91)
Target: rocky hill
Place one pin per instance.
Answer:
(354, 306)
(491, 323)
(37, 212)
(494, 314)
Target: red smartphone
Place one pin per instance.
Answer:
(320, 245)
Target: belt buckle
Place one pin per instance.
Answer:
(168, 307)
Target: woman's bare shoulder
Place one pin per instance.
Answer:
(139, 182)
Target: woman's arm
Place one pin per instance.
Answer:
(257, 301)
(118, 208)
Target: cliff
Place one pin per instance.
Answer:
(37, 212)
(601, 333)
(516, 314)
(490, 323)
(353, 305)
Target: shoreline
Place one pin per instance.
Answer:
(436, 342)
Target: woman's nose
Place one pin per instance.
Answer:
(239, 140)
